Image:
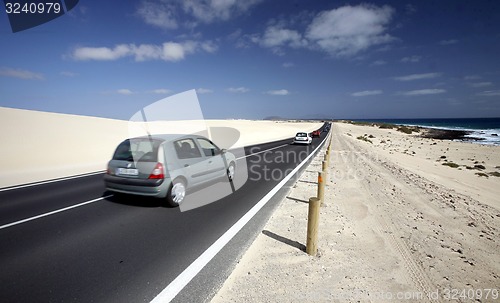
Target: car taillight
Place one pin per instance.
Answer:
(109, 171)
(157, 172)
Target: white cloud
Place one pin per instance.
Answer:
(379, 63)
(411, 59)
(209, 46)
(124, 91)
(68, 74)
(420, 92)
(288, 64)
(481, 84)
(168, 51)
(161, 91)
(417, 77)
(344, 31)
(279, 92)
(173, 51)
(276, 36)
(238, 89)
(146, 52)
(367, 93)
(101, 53)
(171, 14)
(490, 93)
(348, 30)
(204, 91)
(472, 77)
(158, 13)
(208, 11)
(20, 73)
(448, 42)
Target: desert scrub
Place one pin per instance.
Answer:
(476, 167)
(495, 174)
(405, 129)
(349, 134)
(363, 138)
(451, 164)
(386, 126)
(482, 175)
(362, 123)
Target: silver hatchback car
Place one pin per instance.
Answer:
(165, 166)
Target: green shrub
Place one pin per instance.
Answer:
(451, 164)
(386, 126)
(405, 129)
(363, 138)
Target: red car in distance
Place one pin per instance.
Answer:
(316, 133)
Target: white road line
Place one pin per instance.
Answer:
(83, 203)
(263, 151)
(169, 293)
(51, 181)
(53, 212)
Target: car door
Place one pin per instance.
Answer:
(190, 162)
(215, 164)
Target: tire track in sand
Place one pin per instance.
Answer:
(378, 196)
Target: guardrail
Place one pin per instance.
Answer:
(316, 202)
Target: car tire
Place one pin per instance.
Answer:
(176, 193)
(230, 171)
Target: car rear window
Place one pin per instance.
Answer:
(301, 135)
(137, 150)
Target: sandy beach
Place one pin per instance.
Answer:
(398, 225)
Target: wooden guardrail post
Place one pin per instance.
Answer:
(321, 186)
(312, 226)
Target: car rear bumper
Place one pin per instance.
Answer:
(301, 142)
(141, 187)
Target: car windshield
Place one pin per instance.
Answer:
(137, 150)
(301, 135)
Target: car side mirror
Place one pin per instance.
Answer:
(223, 151)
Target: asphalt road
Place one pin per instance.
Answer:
(127, 249)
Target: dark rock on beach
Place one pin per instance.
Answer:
(447, 134)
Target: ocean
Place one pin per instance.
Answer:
(485, 129)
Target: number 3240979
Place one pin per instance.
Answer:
(33, 8)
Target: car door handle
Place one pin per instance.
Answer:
(209, 162)
(186, 165)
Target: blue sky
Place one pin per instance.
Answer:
(252, 59)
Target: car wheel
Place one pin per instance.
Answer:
(176, 193)
(230, 172)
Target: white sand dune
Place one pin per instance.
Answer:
(38, 146)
